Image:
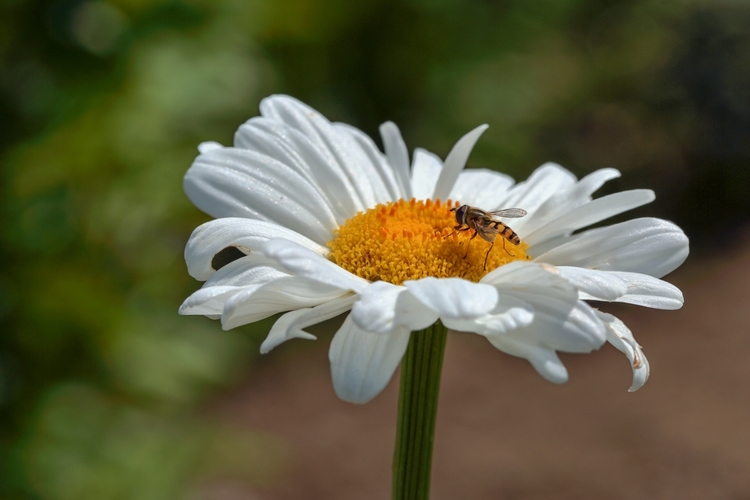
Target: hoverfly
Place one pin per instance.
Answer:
(486, 225)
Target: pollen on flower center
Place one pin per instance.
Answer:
(409, 240)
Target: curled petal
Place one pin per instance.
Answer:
(301, 261)
(362, 363)
(210, 301)
(383, 307)
(598, 285)
(246, 235)
(241, 275)
(254, 269)
(543, 359)
(622, 338)
(560, 323)
(284, 332)
(284, 294)
(508, 314)
(291, 324)
(630, 288)
(647, 291)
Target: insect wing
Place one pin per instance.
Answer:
(487, 233)
(509, 212)
(474, 213)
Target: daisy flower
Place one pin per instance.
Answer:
(325, 223)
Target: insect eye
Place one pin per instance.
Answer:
(460, 213)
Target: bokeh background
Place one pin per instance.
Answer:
(106, 393)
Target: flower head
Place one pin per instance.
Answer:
(329, 224)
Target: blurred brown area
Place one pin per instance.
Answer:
(504, 432)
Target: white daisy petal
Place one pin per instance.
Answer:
(383, 307)
(647, 291)
(392, 182)
(282, 333)
(648, 246)
(424, 173)
(597, 285)
(543, 359)
(291, 324)
(246, 235)
(337, 146)
(282, 143)
(591, 183)
(231, 182)
(631, 288)
(590, 213)
(454, 297)
(398, 155)
(254, 269)
(544, 183)
(291, 147)
(523, 274)
(304, 262)
(205, 147)
(508, 314)
(240, 275)
(537, 343)
(560, 323)
(455, 162)
(362, 363)
(210, 301)
(283, 294)
(567, 198)
(481, 188)
(622, 338)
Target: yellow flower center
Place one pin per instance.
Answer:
(409, 240)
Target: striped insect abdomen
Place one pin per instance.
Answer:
(509, 234)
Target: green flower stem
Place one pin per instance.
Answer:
(417, 412)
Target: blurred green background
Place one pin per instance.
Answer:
(103, 387)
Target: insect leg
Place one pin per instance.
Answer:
(506, 250)
(457, 229)
(469, 243)
(487, 256)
